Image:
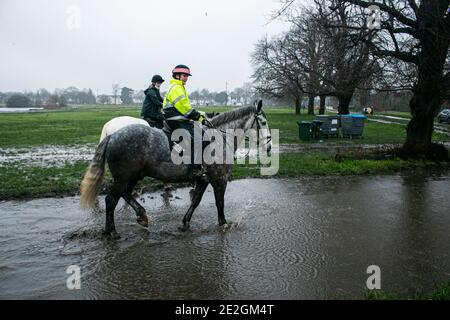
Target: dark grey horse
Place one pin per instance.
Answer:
(137, 151)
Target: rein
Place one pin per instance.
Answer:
(258, 128)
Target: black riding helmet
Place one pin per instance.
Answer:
(157, 79)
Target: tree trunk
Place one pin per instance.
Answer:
(311, 104)
(344, 103)
(427, 98)
(322, 104)
(424, 105)
(298, 105)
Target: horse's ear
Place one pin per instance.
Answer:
(260, 105)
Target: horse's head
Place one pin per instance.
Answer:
(260, 125)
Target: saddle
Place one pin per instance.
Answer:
(152, 123)
(174, 144)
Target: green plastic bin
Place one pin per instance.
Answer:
(316, 130)
(304, 130)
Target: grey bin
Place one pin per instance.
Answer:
(352, 125)
(330, 125)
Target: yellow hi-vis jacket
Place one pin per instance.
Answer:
(176, 98)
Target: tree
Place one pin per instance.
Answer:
(321, 56)
(348, 53)
(307, 47)
(90, 98)
(221, 97)
(115, 88)
(275, 73)
(126, 95)
(139, 96)
(18, 101)
(195, 96)
(62, 101)
(56, 100)
(205, 96)
(44, 94)
(103, 99)
(417, 33)
(248, 93)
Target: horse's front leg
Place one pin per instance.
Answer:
(219, 194)
(197, 196)
(141, 216)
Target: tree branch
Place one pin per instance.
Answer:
(413, 5)
(404, 56)
(385, 8)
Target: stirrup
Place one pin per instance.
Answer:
(198, 174)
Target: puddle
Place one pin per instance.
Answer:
(301, 238)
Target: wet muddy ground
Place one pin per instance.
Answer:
(46, 156)
(59, 156)
(289, 238)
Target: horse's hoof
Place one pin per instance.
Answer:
(111, 235)
(184, 227)
(224, 227)
(114, 235)
(143, 221)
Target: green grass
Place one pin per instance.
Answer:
(83, 125)
(442, 293)
(29, 182)
(321, 163)
(68, 127)
(374, 132)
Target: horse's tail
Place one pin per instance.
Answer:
(92, 181)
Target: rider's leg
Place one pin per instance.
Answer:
(196, 149)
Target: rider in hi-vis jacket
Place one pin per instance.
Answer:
(179, 114)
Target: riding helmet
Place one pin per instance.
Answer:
(181, 69)
(157, 79)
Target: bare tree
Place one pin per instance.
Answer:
(416, 33)
(347, 52)
(318, 56)
(276, 74)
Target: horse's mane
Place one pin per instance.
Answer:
(232, 115)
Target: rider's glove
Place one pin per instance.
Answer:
(203, 117)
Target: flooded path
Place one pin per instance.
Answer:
(404, 121)
(290, 239)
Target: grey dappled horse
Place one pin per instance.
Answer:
(137, 151)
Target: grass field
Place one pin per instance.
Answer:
(441, 293)
(20, 181)
(83, 125)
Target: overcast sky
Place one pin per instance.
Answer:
(46, 44)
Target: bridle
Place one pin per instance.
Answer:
(258, 128)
